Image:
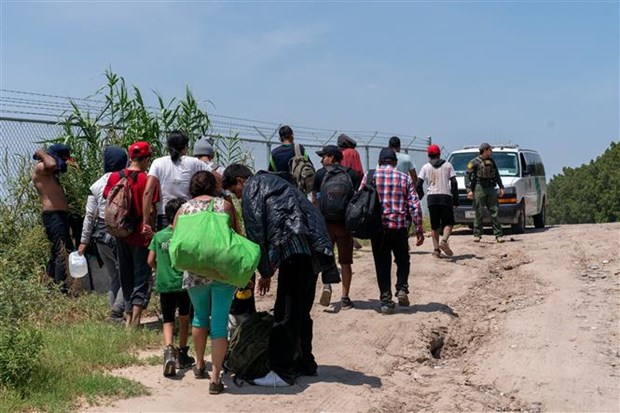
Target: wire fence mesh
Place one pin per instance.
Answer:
(27, 120)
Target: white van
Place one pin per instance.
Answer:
(523, 176)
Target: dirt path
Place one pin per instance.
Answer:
(529, 325)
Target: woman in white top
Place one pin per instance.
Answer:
(172, 173)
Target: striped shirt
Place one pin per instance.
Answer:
(399, 200)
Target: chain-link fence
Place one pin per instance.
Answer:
(28, 119)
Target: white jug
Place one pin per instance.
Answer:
(77, 265)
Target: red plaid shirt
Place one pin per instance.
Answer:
(398, 198)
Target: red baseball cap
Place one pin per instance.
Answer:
(139, 150)
(433, 150)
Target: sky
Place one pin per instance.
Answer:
(544, 75)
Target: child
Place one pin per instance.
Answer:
(172, 295)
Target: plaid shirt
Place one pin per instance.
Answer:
(398, 198)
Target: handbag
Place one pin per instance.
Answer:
(205, 245)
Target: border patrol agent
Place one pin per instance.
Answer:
(481, 178)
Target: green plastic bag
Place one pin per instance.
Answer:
(206, 245)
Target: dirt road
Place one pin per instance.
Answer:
(528, 325)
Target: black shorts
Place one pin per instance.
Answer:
(171, 301)
(441, 216)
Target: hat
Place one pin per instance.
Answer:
(114, 159)
(139, 150)
(60, 150)
(485, 146)
(433, 150)
(387, 153)
(344, 141)
(203, 147)
(330, 150)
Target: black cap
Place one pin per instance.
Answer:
(387, 153)
(330, 150)
(485, 146)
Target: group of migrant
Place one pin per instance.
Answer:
(175, 216)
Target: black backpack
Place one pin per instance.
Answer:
(336, 192)
(363, 216)
(247, 355)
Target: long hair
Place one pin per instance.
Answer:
(177, 143)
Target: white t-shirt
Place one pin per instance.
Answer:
(174, 177)
(405, 164)
(437, 179)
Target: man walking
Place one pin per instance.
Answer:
(46, 179)
(294, 240)
(443, 196)
(404, 164)
(481, 178)
(398, 201)
(334, 186)
(132, 251)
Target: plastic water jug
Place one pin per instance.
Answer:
(77, 265)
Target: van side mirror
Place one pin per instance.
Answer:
(529, 170)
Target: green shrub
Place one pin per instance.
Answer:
(20, 351)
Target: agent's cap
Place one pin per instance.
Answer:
(485, 146)
(139, 149)
(387, 153)
(202, 147)
(433, 150)
(330, 150)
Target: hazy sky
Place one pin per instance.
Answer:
(544, 75)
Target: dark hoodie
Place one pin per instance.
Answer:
(59, 152)
(114, 159)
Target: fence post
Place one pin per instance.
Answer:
(368, 150)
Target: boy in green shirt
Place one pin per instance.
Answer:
(169, 285)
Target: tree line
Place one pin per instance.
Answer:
(589, 193)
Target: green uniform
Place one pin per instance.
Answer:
(481, 179)
(169, 280)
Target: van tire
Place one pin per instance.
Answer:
(539, 219)
(519, 227)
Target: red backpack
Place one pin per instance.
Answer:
(118, 220)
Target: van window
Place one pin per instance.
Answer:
(535, 160)
(507, 162)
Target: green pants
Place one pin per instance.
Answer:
(486, 196)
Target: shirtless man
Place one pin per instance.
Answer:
(51, 164)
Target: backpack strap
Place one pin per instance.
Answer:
(370, 178)
(297, 150)
(121, 173)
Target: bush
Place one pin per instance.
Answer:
(20, 350)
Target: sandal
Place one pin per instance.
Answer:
(200, 373)
(437, 253)
(216, 388)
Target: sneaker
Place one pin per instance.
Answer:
(271, 380)
(403, 299)
(387, 306)
(499, 239)
(326, 295)
(170, 362)
(437, 253)
(185, 360)
(477, 238)
(443, 245)
(216, 388)
(346, 303)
